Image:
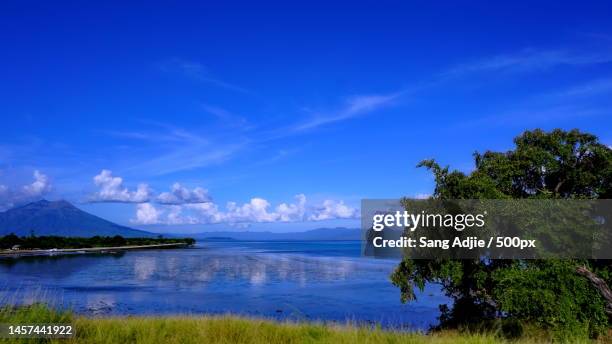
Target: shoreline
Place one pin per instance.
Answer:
(19, 253)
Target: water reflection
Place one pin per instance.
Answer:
(260, 280)
(144, 267)
(197, 269)
(53, 265)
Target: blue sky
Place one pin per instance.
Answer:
(191, 117)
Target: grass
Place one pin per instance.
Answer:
(225, 329)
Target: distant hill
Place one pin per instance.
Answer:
(60, 218)
(315, 234)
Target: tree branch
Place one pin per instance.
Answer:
(599, 284)
(558, 187)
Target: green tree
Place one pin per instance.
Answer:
(565, 296)
(9, 241)
(118, 240)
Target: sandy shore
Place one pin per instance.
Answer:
(17, 253)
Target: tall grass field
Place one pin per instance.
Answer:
(230, 329)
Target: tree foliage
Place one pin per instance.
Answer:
(50, 242)
(556, 164)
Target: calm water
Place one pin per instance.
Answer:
(325, 281)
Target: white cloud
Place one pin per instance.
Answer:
(257, 210)
(254, 211)
(10, 197)
(182, 195)
(39, 187)
(292, 212)
(146, 214)
(207, 212)
(333, 210)
(113, 190)
(176, 217)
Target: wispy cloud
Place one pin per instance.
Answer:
(526, 61)
(353, 107)
(532, 116)
(167, 135)
(278, 156)
(160, 149)
(190, 157)
(587, 89)
(577, 101)
(227, 117)
(199, 72)
(169, 149)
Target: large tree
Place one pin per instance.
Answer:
(566, 296)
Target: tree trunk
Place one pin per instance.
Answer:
(600, 285)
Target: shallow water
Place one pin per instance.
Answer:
(325, 281)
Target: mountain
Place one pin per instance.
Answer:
(60, 218)
(315, 234)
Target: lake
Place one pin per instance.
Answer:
(291, 280)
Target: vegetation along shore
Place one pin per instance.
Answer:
(14, 246)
